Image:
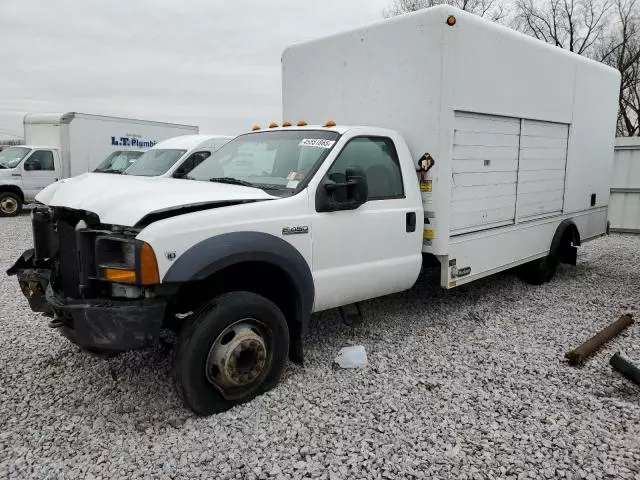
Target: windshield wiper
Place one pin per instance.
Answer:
(232, 181)
(108, 170)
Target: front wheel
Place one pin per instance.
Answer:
(10, 204)
(234, 349)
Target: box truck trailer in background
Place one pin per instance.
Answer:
(64, 145)
(457, 140)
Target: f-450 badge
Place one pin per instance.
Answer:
(297, 230)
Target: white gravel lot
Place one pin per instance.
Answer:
(469, 383)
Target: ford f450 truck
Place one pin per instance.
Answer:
(458, 141)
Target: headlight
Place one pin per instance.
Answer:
(124, 260)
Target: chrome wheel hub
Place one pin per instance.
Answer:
(8, 205)
(238, 356)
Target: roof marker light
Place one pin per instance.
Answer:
(255, 127)
(302, 123)
(330, 123)
(286, 124)
(273, 125)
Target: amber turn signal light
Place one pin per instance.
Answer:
(148, 266)
(119, 276)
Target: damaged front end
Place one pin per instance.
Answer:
(72, 275)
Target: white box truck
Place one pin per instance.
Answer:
(64, 145)
(458, 140)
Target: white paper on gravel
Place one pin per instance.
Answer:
(352, 357)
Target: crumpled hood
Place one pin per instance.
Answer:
(124, 200)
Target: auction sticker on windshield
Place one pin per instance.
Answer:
(316, 142)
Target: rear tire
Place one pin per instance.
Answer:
(539, 271)
(10, 204)
(232, 350)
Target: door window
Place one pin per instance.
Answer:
(41, 160)
(378, 158)
(192, 162)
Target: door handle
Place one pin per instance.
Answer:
(411, 221)
(16, 174)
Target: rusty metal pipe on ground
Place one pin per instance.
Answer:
(580, 354)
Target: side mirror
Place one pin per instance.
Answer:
(332, 196)
(28, 166)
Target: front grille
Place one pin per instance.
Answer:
(69, 252)
(68, 266)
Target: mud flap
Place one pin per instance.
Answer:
(24, 262)
(33, 282)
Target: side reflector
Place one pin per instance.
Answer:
(273, 125)
(255, 127)
(330, 123)
(286, 124)
(148, 266)
(120, 276)
(302, 123)
(451, 20)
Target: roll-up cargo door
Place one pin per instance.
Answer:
(484, 171)
(542, 166)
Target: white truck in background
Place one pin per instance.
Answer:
(457, 141)
(177, 156)
(65, 145)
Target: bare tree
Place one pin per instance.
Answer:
(605, 30)
(621, 50)
(491, 9)
(577, 25)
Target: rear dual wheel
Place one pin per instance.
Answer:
(539, 271)
(234, 349)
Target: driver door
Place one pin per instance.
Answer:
(372, 250)
(39, 170)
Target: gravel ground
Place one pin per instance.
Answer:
(469, 383)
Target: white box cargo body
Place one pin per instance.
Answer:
(521, 132)
(85, 140)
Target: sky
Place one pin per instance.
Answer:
(211, 63)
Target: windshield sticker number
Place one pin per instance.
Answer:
(316, 142)
(292, 183)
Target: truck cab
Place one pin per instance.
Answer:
(24, 171)
(276, 224)
(176, 157)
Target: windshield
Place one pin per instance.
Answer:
(276, 160)
(154, 162)
(118, 162)
(12, 156)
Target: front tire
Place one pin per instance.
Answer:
(539, 271)
(232, 350)
(10, 204)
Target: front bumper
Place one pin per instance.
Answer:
(101, 323)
